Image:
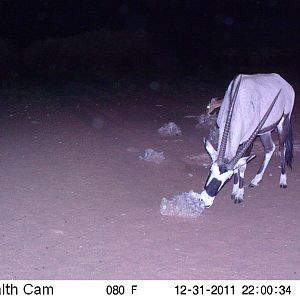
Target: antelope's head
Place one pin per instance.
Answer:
(222, 169)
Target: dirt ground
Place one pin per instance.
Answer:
(77, 203)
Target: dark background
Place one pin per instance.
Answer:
(84, 88)
(107, 40)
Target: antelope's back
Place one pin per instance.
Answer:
(255, 95)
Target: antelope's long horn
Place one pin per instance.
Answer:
(243, 149)
(227, 124)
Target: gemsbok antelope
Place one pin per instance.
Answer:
(253, 105)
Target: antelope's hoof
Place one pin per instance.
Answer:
(252, 185)
(283, 186)
(236, 199)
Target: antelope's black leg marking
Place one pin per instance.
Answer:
(237, 194)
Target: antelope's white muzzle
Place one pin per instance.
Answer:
(207, 200)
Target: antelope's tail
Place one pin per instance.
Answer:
(289, 145)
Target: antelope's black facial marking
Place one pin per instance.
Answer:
(208, 177)
(213, 187)
(223, 168)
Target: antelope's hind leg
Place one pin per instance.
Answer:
(269, 147)
(285, 137)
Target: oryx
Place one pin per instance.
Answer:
(253, 105)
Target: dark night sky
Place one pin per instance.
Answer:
(186, 31)
(274, 21)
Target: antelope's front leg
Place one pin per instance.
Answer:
(237, 194)
(269, 147)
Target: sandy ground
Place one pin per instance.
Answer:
(77, 203)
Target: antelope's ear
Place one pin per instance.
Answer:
(242, 161)
(210, 150)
